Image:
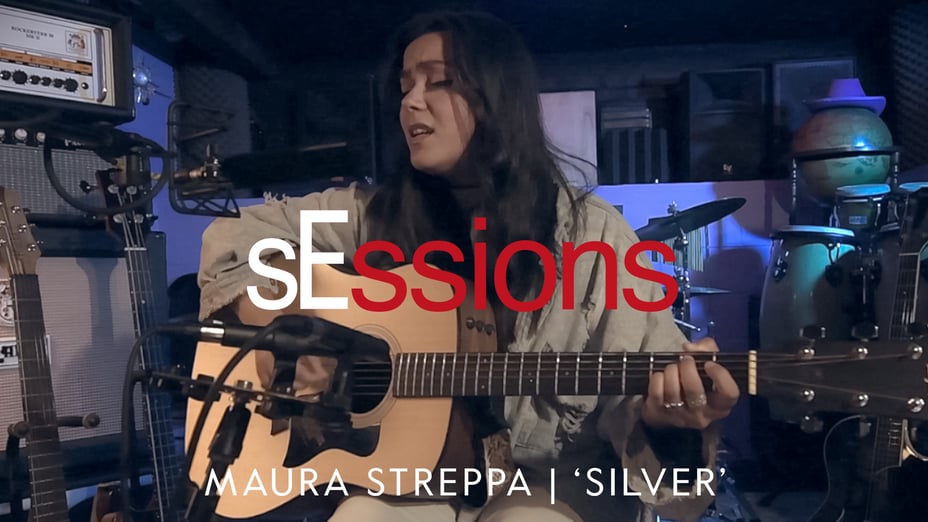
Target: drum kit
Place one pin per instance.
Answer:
(676, 226)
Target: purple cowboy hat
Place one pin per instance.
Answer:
(847, 92)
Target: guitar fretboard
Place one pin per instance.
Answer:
(157, 403)
(888, 432)
(904, 301)
(49, 503)
(516, 374)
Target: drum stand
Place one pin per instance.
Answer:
(730, 504)
(681, 307)
(868, 273)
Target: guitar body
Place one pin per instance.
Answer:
(841, 448)
(859, 489)
(381, 433)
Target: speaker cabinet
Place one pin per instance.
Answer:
(910, 79)
(794, 82)
(635, 156)
(725, 129)
(88, 318)
(22, 168)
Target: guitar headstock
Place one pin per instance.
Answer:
(914, 230)
(19, 251)
(132, 225)
(878, 378)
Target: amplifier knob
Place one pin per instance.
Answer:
(34, 80)
(46, 81)
(20, 77)
(70, 85)
(5, 75)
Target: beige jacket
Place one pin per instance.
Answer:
(566, 434)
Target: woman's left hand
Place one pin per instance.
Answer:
(677, 398)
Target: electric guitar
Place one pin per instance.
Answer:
(130, 228)
(403, 403)
(19, 256)
(870, 491)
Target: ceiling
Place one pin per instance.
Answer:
(281, 35)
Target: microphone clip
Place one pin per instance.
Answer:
(199, 190)
(330, 407)
(206, 176)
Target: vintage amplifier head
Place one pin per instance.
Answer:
(64, 61)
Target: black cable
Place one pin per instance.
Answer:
(213, 394)
(76, 203)
(127, 456)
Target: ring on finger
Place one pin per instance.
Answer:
(697, 402)
(669, 405)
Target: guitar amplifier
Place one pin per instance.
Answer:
(89, 324)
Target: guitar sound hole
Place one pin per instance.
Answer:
(371, 384)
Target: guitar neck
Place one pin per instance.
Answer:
(889, 432)
(157, 405)
(564, 373)
(904, 300)
(49, 503)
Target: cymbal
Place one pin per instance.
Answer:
(669, 227)
(696, 291)
(705, 290)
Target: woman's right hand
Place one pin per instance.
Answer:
(312, 372)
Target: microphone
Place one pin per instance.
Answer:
(105, 140)
(292, 336)
(210, 170)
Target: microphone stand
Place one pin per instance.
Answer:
(224, 450)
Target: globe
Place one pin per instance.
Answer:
(842, 128)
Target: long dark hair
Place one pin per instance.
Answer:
(509, 157)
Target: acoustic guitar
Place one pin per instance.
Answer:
(404, 403)
(870, 490)
(19, 256)
(131, 228)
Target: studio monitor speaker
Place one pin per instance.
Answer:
(725, 130)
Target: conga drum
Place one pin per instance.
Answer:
(809, 281)
(861, 207)
(898, 198)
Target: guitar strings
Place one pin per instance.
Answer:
(906, 278)
(382, 377)
(152, 357)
